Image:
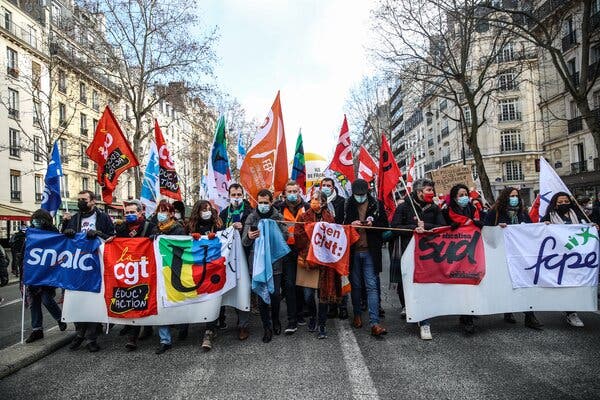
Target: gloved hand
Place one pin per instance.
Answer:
(196, 236)
(211, 235)
(91, 234)
(70, 233)
(152, 237)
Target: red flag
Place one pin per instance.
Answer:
(265, 165)
(534, 213)
(389, 176)
(167, 176)
(367, 166)
(111, 152)
(410, 175)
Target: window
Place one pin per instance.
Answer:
(513, 171)
(62, 81)
(510, 140)
(508, 80)
(506, 53)
(14, 141)
(595, 54)
(568, 25)
(573, 109)
(37, 148)
(95, 101)
(39, 188)
(62, 115)
(85, 183)
(13, 103)
(83, 124)
(96, 189)
(467, 115)
(443, 104)
(509, 110)
(7, 20)
(37, 112)
(15, 185)
(572, 68)
(82, 93)
(12, 63)
(595, 7)
(62, 148)
(84, 158)
(95, 125)
(36, 75)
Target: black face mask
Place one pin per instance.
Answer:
(82, 205)
(563, 208)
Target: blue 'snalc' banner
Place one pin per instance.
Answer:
(52, 259)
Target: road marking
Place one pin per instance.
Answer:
(9, 303)
(358, 373)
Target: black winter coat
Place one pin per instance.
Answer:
(405, 218)
(104, 225)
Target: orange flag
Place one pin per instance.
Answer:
(389, 176)
(265, 165)
(111, 152)
(167, 176)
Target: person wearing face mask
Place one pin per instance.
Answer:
(204, 220)
(510, 210)
(265, 209)
(35, 296)
(134, 225)
(94, 223)
(428, 216)
(461, 212)
(329, 287)
(363, 210)
(561, 210)
(180, 212)
(291, 209)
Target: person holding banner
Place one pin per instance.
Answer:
(38, 295)
(94, 223)
(205, 220)
(561, 210)
(363, 210)
(265, 209)
(510, 210)
(329, 282)
(166, 225)
(134, 225)
(418, 213)
(461, 212)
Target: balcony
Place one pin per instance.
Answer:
(13, 113)
(428, 167)
(38, 197)
(84, 131)
(569, 40)
(509, 116)
(437, 164)
(511, 147)
(575, 124)
(445, 132)
(578, 167)
(15, 151)
(15, 195)
(13, 72)
(20, 33)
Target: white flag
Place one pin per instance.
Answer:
(550, 183)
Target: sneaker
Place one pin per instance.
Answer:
(322, 333)
(403, 313)
(35, 335)
(92, 347)
(291, 329)
(574, 320)
(162, 348)
(62, 326)
(76, 343)
(426, 332)
(312, 324)
(301, 321)
(208, 339)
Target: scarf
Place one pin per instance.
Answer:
(513, 215)
(235, 215)
(557, 219)
(167, 225)
(462, 219)
(134, 227)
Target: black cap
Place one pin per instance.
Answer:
(360, 187)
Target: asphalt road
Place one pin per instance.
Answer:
(500, 361)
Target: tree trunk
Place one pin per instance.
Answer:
(473, 143)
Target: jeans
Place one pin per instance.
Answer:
(309, 301)
(290, 265)
(363, 268)
(45, 297)
(243, 318)
(268, 319)
(164, 332)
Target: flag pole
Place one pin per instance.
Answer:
(23, 315)
(410, 199)
(62, 183)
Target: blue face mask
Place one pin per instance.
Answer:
(264, 208)
(162, 217)
(292, 197)
(360, 198)
(463, 201)
(131, 218)
(326, 191)
(513, 201)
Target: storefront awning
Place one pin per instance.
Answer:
(11, 213)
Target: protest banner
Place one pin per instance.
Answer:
(130, 278)
(53, 259)
(493, 295)
(450, 256)
(330, 245)
(552, 255)
(445, 178)
(91, 307)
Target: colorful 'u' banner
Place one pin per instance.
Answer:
(450, 256)
(195, 270)
(330, 245)
(130, 278)
(540, 255)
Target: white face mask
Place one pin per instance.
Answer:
(206, 215)
(236, 202)
(177, 215)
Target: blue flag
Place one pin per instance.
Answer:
(51, 197)
(52, 259)
(150, 184)
(241, 152)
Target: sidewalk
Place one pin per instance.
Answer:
(17, 356)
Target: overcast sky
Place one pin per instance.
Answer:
(311, 50)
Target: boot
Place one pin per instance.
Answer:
(35, 335)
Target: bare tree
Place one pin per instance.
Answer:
(446, 49)
(154, 43)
